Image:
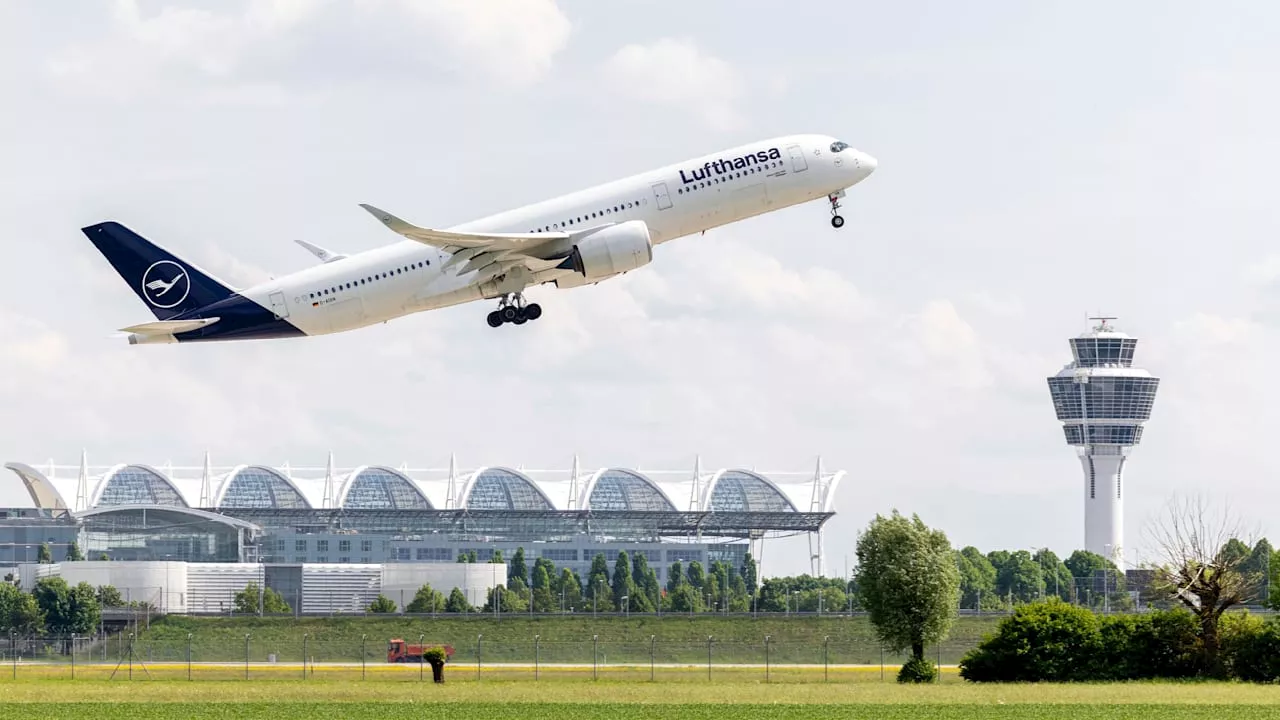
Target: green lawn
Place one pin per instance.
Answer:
(285, 700)
(675, 638)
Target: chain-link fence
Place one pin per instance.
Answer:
(125, 655)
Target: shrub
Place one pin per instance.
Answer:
(917, 670)
(1250, 647)
(1161, 644)
(1042, 641)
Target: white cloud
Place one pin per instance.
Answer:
(238, 55)
(676, 72)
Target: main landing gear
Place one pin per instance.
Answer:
(836, 220)
(513, 309)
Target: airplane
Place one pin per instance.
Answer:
(578, 239)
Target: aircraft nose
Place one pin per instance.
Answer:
(866, 164)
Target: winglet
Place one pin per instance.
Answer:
(324, 255)
(388, 219)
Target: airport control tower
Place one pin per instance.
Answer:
(1103, 402)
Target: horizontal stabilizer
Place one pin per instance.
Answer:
(169, 327)
(324, 255)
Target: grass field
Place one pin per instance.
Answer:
(313, 700)
(569, 639)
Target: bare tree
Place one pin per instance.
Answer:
(1195, 566)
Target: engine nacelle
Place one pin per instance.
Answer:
(609, 251)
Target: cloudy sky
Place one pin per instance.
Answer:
(1038, 163)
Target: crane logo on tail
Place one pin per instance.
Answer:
(165, 284)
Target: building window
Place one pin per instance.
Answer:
(366, 546)
(300, 546)
(366, 560)
(344, 559)
(322, 546)
(344, 546)
(322, 559)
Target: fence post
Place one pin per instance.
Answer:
(595, 657)
(421, 638)
(363, 654)
(651, 641)
(130, 656)
(73, 656)
(479, 641)
(304, 655)
(536, 640)
(766, 658)
(246, 656)
(881, 663)
(708, 657)
(188, 657)
(13, 650)
(939, 661)
(826, 642)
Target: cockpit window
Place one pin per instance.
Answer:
(837, 146)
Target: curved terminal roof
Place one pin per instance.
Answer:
(136, 485)
(256, 486)
(745, 491)
(379, 487)
(619, 489)
(503, 489)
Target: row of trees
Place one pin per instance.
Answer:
(911, 581)
(53, 606)
(44, 555)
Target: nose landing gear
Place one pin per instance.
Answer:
(513, 309)
(836, 220)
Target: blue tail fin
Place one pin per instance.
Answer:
(169, 285)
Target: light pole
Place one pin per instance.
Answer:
(626, 607)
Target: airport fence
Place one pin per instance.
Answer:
(125, 656)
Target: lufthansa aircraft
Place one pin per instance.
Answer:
(573, 240)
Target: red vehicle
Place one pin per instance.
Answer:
(399, 651)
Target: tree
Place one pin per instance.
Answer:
(1096, 578)
(457, 602)
(597, 589)
(273, 603)
(109, 597)
(1200, 568)
(645, 582)
(675, 577)
(685, 598)
(1040, 641)
(382, 605)
(695, 576)
(44, 557)
(542, 600)
(1259, 565)
(18, 610)
(517, 567)
(622, 586)
(908, 581)
(66, 609)
(1020, 578)
(426, 600)
(570, 590)
(497, 557)
(104, 557)
(73, 552)
(507, 601)
(749, 571)
(977, 580)
(252, 599)
(1057, 578)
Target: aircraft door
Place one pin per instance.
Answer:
(661, 194)
(798, 163)
(279, 306)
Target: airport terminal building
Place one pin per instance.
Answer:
(378, 515)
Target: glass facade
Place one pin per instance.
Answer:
(260, 487)
(137, 485)
(624, 490)
(740, 491)
(1106, 398)
(165, 534)
(382, 489)
(1103, 434)
(1102, 351)
(498, 489)
(23, 531)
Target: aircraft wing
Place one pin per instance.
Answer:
(324, 255)
(453, 241)
(169, 327)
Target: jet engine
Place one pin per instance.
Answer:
(607, 252)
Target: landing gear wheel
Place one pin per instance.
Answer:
(533, 311)
(837, 221)
(494, 319)
(521, 319)
(509, 313)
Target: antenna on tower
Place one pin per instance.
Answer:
(1102, 322)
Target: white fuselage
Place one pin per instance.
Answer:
(673, 201)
